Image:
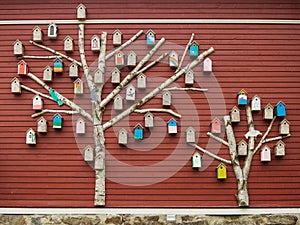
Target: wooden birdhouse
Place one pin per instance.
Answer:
(141, 81)
(57, 121)
(98, 77)
(58, 65)
(123, 136)
(280, 109)
(118, 102)
(47, 73)
(194, 49)
(172, 126)
(242, 148)
(190, 135)
(280, 148)
(242, 97)
(30, 137)
(18, 48)
(37, 34)
(150, 38)
(42, 125)
(88, 154)
(138, 132)
(22, 68)
(95, 43)
(235, 114)
(119, 59)
(99, 162)
(15, 86)
(115, 76)
(37, 102)
(52, 31)
(68, 44)
(117, 37)
(216, 126)
(131, 59)
(268, 112)
(207, 66)
(149, 119)
(189, 77)
(265, 154)
(284, 128)
(166, 98)
(73, 70)
(81, 12)
(78, 86)
(173, 59)
(256, 103)
(196, 161)
(130, 93)
(80, 126)
(221, 172)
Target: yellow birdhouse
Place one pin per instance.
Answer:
(221, 172)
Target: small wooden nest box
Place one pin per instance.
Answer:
(172, 126)
(18, 48)
(99, 162)
(47, 73)
(115, 76)
(256, 103)
(98, 76)
(280, 109)
(15, 86)
(190, 135)
(42, 125)
(80, 126)
(117, 37)
(37, 34)
(138, 132)
(141, 81)
(130, 93)
(149, 119)
(119, 59)
(37, 102)
(194, 49)
(207, 66)
(131, 59)
(88, 154)
(81, 12)
(52, 31)
(173, 59)
(284, 128)
(216, 126)
(73, 70)
(235, 114)
(118, 102)
(242, 148)
(242, 97)
(57, 121)
(78, 86)
(189, 77)
(30, 137)
(166, 98)
(22, 68)
(95, 43)
(123, 136)
(150, 38)
(280, 149)
(58, 65)
(265, 154)
(196, 161)
(221, 172)
(268, 112)
(68, 44)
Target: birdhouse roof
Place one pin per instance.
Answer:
(166, 93)
(52, 24)
(115, 69)
(132, 53)
(22, 62)
(30, 129)
(172, 121)
(78, 80)
(194, 43)
(280, 142)
(95, 37)
(221, 165)
(269, 106)
(189, 128)
(47, 67)
(68, 37)
(117, 31)
(18, 41)
(81, 5)
(57, 115)
(138, 126)
(15, 79)
(207, 59)
(150, 31)
(80, 119)
(242, 92)
(197, 153)
(118, 96)
(37, 96)
(74, 64)
(216, 119)
(266, 147)
(255, 96)
(173, 53)
(285, 121)
(141, 76)
(148, 114)
(37, 28)
(280, 103)
(235, 108)
(119, 53)
(123, 130)
(56, 60)
(41, 119)
(242, 142)
(88, 147)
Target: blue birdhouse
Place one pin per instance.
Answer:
(280, 109)
(58, 65)
(194, 49)
(150, 37)
(242, 97)
(138, 132)
(172, 126)
(57, 121)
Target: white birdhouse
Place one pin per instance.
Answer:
(123, 136)
(98, 76)
(37, 102)
(268, 112)
(15, 86)
(131, 59)
(52, 31)
(242, 148)
(95, 43)
(166, 98)
(190, 135)
(37, 34)
(47, 73)
(235, 114)
(189, 77)
(280, 148)
(80, 126)
(42, 125)
(130, 93)
(81, 12)
(284, 128)
(196, 161)
(88, 154)
(115, 76)
(73, 70)
(173, 59)
(265, 154)
(18, 48)
(141, 81)
(68, 44)
(207, 66)
(118, 102)
(255, 103)
(99, 162)
(30, 137)
(117, 37)
(149, 119)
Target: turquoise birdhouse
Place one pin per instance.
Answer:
(280, 109)
(194, 49)
(172, 126)
(57, 121)
(138, 132)
(150, 37)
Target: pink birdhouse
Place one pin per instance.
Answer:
(37, 102)
(80, 126)
(216, 126)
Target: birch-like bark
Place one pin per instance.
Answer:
(170, 111)
(37, 92)
(68, 112)
(38, 57)
(276, 138)
(186, 89)
(217, 139)
(153, 63)
(185, 51)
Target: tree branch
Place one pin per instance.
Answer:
(185, 89)
(38, 57)
(276, 138)
(217, 139)
(153, 63)
(170, 111)
(37, 92)
(53, 111)
(185, 51)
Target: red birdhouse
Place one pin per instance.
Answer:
(216, 126)
(22, 68)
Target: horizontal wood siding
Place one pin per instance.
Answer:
(261, 58)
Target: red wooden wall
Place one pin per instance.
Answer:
(261, 58)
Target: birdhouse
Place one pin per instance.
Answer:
(30, 137)
(47, 73)
(42, 125)
(172, 126)
(131, 59)
(242, 148)
(115, 76)
(37, 102)
(284, 128)
(149, 119)
(118, 102)
(242, 97)
(58, 65)
(141, 81)
(194, 49)
(99, 162)
(216, 126)
(73, 70)
(18, 48)
(221, 172)
(189, 77)
(255, 103)
(138, 132)
(88, 154)
(150, 38)
(22, 68)
(280, 109)
(190, 135)
(15, 86)
(95, 43)
(123, 136)
(98, 77)
(37, 34)
(173, 59)
(78, 86)
(265, 154)
(68, 44)
(130, 93)
(52, 31)
(117, 37)
(81, 12)
(280, 148)
(235, 114)
(268, 112)
(57, 121)
(207, 66)
(119, 59)
(196, 161)
(80, 126)
(166, 98)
